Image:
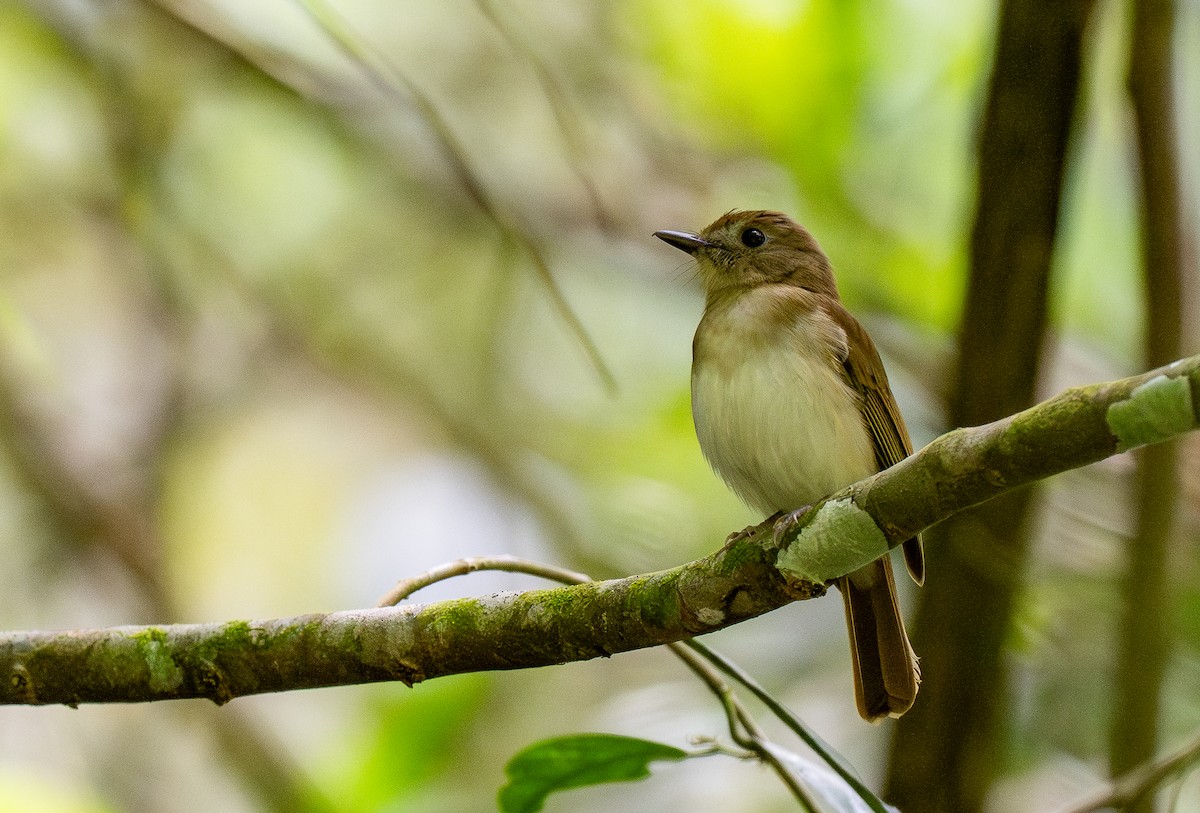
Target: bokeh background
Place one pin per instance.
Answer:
(298, 299)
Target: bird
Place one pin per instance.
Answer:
(791, 403)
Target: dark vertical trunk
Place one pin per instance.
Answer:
(1144, 634)
(946, 750)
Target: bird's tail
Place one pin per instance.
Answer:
(886, 674)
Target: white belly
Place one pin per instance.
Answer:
(780, 425)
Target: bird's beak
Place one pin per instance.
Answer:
(683, 240)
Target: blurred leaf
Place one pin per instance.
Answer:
(28, 790)
(754, 71)
(575, 761)
(1188, 617)
(403, 743)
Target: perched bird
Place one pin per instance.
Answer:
(791, 403)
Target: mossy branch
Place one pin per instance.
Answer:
(775, 564)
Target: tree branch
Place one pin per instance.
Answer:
(775, 564)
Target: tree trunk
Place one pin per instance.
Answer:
(945, 752)
(1144, 633)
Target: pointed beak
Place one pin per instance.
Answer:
(683, 240)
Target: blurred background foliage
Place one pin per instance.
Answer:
(282, 320)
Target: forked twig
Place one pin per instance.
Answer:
(744, 730)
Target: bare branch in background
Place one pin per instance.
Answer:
(1140, 783)
(122, 523)
(405, 93)
(396, 85)
(559, 101)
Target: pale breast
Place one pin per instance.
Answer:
(773, 414)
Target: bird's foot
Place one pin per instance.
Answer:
(750, 530)
(738, 536)
(785, 521)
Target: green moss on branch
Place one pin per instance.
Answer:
(542, 627)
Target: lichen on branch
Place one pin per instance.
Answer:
(753, 574)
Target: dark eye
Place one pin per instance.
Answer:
(753, 238)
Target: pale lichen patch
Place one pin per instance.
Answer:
(840, 539)
(1156, 411)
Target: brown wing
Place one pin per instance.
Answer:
(864, 371)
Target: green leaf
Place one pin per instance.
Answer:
(574, 761)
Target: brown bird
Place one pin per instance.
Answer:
(791, 403)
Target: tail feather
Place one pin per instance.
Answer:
(886, 674)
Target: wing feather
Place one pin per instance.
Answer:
(865, 373)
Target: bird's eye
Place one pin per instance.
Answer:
(753, 238)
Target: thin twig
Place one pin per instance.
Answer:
(696, 656)
(461, 567)
(1137, 784)
(558, 100)
(753, 738)
(394, 84)
(789, 718)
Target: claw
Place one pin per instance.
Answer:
(785, 521)
(738, 536)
